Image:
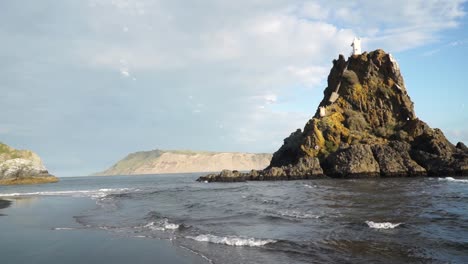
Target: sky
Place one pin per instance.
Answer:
(85, 82)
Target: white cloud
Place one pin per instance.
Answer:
(309, 76)
(256, 53)
(124, 72)
(446, 46)
(266, 127)
(456, 43)
(457, 135)
(431, 52)
(313, 10)
(271, 98)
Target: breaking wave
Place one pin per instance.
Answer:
(453, 179)
(232, 240)
(383, 225)
(297, 214)
(163, 225)
(99, 193)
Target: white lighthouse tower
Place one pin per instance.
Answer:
(356, 46)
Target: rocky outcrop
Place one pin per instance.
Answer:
(22, 167)
(365, 126)
(176, 161)
(305, 168)
(355, 161)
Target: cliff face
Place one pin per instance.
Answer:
(364, 126)
(22, 167)
(159, 161)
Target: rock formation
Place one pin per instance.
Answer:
(365, 126)
(174, 161)
(22, 167)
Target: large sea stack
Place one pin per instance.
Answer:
(22, 167)
(365, 126)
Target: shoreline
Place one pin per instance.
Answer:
(54, 236)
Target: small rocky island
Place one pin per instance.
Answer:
(365, 126)
(22, 167)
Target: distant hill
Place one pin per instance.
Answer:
(177, 161)
(22, 167)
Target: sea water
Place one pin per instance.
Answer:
(174, 219)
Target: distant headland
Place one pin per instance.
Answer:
(184, 161)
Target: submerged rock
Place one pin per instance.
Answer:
(365, 126)
(22, 167)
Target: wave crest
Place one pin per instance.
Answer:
(163, 225)
(453, 179)
(232, 240)
(383, 225)
(99, 193)
(297, 214)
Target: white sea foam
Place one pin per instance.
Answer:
(453, 179)
(153, 226)
(99, 193)
(163, 225)
(63, 228)
(171, 226)
(383, 225)
(297, 214)
(232, 240)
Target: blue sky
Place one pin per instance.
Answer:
(85, 82)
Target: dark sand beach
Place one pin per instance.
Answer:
(43, 230)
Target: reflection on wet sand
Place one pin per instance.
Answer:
(4, 204)
(18, 202)
(23, 201)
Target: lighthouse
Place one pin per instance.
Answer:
(356, 46)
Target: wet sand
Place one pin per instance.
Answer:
(43, 230)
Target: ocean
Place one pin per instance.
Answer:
(174, 219)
